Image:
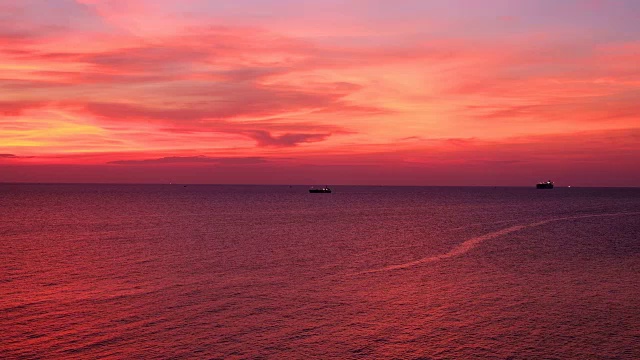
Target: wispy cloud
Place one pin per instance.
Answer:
(13, 156)
(194, 160)
(264, 138)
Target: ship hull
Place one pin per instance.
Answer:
(544, 186)
(319, 191)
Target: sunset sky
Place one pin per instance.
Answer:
(405, 92)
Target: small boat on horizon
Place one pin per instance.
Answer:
(323, 190)
(545, 185)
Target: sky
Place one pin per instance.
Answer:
(372, 92)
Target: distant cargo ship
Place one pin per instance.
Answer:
(545, 185)
(323, 190)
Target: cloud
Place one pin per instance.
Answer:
(194, 160)
(264, 138)
(266, 133)
(16, 108)
(13, 156)
(147, 59)
(35, 21)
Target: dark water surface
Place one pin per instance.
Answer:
(145, 271)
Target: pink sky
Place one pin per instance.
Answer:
(451, 92)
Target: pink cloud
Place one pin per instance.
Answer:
(15, 108)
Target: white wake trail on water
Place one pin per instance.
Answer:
(470, 244)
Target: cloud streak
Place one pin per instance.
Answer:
(200, 159)
(264, 138)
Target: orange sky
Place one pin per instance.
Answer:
(340, 92)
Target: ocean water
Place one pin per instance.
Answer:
(167, 271)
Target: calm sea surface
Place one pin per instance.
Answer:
(166, 271)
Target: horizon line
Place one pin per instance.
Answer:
(256, 184)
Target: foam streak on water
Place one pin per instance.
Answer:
(470, 244)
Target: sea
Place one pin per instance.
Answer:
(274, 272)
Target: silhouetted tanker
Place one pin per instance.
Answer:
(324, 190)
(545, 185)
